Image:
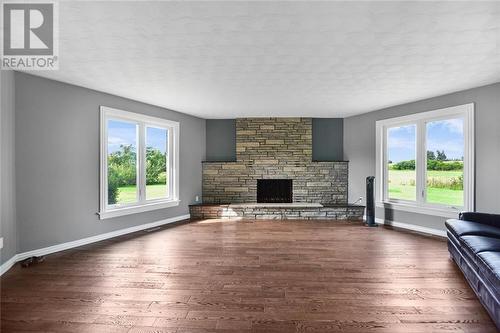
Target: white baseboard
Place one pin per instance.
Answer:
(84, 241)
(413, 227)
(8, 264)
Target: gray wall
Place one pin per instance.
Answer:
(221, 139)
(7, 170)
(328, 139)
(57, 161)
(359, 149)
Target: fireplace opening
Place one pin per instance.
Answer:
(274, 190)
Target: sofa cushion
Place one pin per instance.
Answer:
(473, 245)
(478, 244)
(489, 266)
(463, 228)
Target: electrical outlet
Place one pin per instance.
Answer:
(359, 201)
(197, 198)
(1, 243)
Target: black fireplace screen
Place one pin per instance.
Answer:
(274, 190)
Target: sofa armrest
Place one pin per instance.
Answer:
(483, 218)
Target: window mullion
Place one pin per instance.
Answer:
(385, 172)
(142, 162)
(420, 162)
(170, 166)
(167, 163)
(468, 162)
(104, 161)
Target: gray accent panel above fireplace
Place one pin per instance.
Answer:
(221, 139)
(327, 139)
(274, 148)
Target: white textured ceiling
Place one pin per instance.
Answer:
(238, 59)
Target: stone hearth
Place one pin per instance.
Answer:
(295, 211)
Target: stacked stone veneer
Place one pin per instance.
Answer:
(274, 148)
(353, 213)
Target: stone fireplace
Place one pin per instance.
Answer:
(276, 149)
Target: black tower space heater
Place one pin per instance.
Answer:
(370, 202)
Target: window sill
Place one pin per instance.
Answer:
(435, 211)
(137, 209)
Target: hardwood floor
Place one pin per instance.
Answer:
(246, 276)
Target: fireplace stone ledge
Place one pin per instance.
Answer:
(297, 211)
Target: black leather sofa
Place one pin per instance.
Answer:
(474, 244)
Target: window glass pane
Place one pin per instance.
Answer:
(401, 155)
(122, 162)
(445, 166)
(156, 163)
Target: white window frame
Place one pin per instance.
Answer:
(143, 122)
(466, 112)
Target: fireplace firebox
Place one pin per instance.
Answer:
(274, 190)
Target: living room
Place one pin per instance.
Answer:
(250, 166)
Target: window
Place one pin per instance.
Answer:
(425, 161)
(139, 163)
(401, 150)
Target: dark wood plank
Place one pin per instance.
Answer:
(246, 276)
